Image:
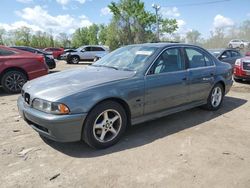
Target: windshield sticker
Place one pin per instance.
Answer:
(144, 52)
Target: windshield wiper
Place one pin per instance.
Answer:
(106, 66)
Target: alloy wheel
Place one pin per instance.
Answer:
(216, 97)
(107, 126)
(14, 82)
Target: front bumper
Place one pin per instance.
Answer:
(61, 128)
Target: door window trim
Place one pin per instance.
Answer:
(202, 52)
(167, 48)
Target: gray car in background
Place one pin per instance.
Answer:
(129, 86)
(83, 53)
(226, 55)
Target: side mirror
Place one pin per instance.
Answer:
(223, 57)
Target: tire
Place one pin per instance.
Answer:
(96, 59)
(214, 104)
(230, 46)
(104, 125)
(13, 81)
(242, 46)
(74, 59)
(237, 79)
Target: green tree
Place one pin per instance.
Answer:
(193, 36)
(22, 36)
(64, 40)
(134, 24)
(2, 32)
(102, 34)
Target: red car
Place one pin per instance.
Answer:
(17, 66)
(242, 69)
(248, 53)
(57, 52)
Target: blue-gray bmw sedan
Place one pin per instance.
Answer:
(131, 85)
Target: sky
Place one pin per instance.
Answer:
(56, 16)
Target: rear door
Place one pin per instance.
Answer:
(166, 82)
(97, 50)
(201, 73)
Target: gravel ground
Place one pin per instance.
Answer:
(194, 148)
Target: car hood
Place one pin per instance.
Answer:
(58, 85)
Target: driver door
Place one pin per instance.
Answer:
(166, 82)
(86, 53)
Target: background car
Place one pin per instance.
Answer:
(242, 69)
(57, 52)
(129, 86)
(247, 53)
(238, 43)
(226, 55)
(16, 67)
(84, 53)
(49, 59)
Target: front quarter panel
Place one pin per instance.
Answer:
(129, 90)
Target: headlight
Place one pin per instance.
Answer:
(238, 62)
(50, 107)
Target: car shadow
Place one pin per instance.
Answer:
(148, 132)
(3, 93)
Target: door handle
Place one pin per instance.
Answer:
(184, 79)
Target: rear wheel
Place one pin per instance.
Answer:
(242, 46)
(105, 125)
(230, 46)
(13, 81)
(215, 98)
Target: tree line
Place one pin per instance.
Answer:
(131, 23)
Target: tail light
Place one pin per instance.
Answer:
(41, 59)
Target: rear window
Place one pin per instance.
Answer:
(6, 52)
(97, 49)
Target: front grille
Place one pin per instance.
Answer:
(246, 66)
(27, 98)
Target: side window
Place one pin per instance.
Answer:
(169, 61)
(197, 59)
(87, 49)
(235, 54)
(226, 54)
(97, 49)
(6, 52)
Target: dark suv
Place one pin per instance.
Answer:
(49, 59)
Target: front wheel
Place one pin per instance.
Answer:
(74, 59)
(237, 79)
(215, 98)
(105, 125)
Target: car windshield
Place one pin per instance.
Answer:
(127, 58)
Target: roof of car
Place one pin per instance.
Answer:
(163, 44)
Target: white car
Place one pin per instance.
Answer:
(238, 43)
(88, 52)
